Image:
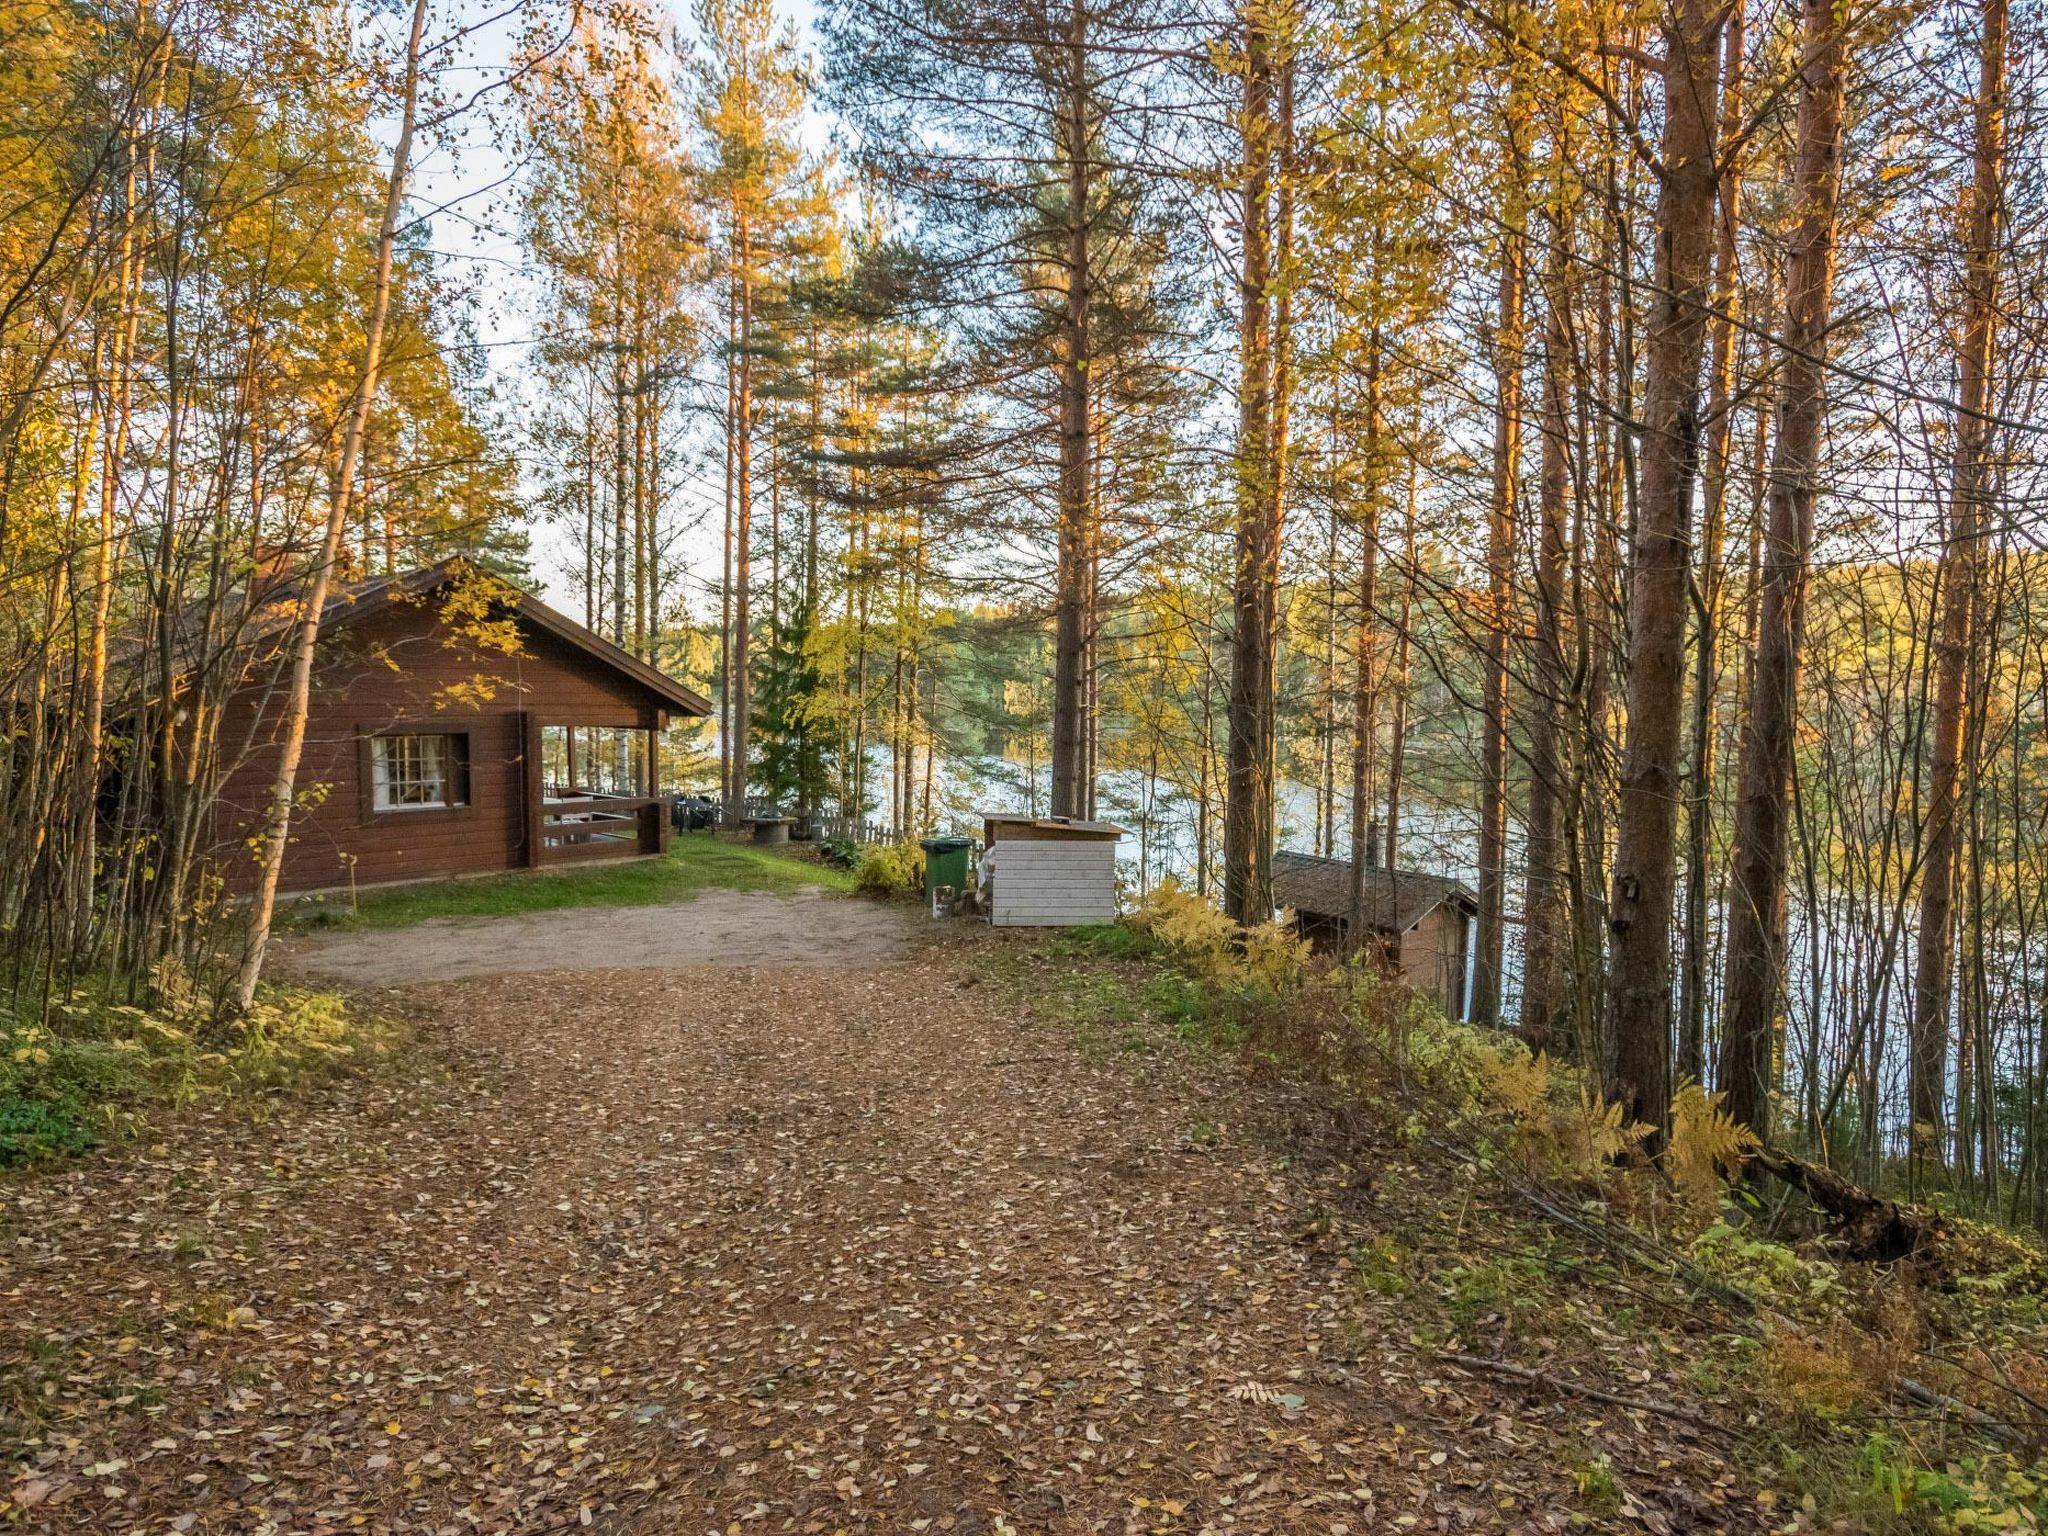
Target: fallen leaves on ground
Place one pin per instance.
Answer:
(753, 1251)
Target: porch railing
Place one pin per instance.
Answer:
(590, 826)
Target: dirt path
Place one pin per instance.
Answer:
(718, 928)
(788, 1250)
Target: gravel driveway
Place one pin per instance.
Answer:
(718, 928)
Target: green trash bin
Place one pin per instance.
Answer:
(945, 863)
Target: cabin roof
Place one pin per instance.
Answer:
(274, 611)
(351, 601)
(1395, 899)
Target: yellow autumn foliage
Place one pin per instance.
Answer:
(1275, 955)
(1707, 1145)
(1580, 1135)
(1271, 956)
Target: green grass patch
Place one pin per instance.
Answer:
(90, 1067)
(1111, 941)
(696, 862)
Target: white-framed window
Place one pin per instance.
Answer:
(416, 773)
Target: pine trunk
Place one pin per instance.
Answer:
(1070, 789)
(1641, 907)
(1959, 584)
(1248, 792)
(1756, 900)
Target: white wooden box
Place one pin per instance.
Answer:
(1047, 882)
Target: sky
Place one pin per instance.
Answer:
(466, 186)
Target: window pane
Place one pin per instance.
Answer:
(413, 772)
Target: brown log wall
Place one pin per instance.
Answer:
(396, 671)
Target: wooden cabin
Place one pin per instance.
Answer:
(1422, 924)
(448, 740)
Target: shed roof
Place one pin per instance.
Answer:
(1395, 899)
(1050, 826)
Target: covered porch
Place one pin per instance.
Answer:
(597, 791)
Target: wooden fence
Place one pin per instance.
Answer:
(830, 829)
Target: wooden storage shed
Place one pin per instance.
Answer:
(1047, 871)
(433, 749)
(1422, 924)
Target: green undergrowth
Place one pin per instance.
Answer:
(87, 1067)
(695, 863)
(889, 869)
(1821, 1367)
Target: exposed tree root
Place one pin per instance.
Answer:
(1867, 1226)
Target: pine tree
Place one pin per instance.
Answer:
(792, 723)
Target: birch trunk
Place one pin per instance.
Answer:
(277, 826)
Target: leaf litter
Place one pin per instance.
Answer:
(765, 1250)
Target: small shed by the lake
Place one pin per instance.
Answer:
(1420, 923)
(1046, 871)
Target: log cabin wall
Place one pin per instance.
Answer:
(394, 670)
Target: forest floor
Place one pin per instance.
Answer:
(923, 1241)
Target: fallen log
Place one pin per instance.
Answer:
(1552, 1382)
(1955, 1408)
(1866, 1226)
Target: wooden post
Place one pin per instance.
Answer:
(658, 810)
(531, 780)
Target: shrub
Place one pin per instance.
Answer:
(1575, 1136)
(1270, 957)
(1197, 932)
(890, 869)
(1816, 1378)
(87, 1070)
(1706, 1148)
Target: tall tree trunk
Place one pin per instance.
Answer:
(283, 789)
(1248, 793)
(732, 429)
(1500, 560)
(128, 313)
(1546, 934)
(1709, 583)
(1970, 491)
(622, 458)
(1365, 655)
(1640, 910)
(1326, 778)
(1756, 901)
(1397, 727)
(1073, 133)
(743, 520)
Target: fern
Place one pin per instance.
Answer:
(1707, 1144)
(1190, 926)
(1517, 1082)
(1275, 955)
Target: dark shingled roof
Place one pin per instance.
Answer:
(1395, 899)
(275, 610)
